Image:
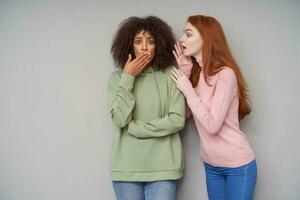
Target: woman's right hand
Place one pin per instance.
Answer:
(180, 57)
(136, 66)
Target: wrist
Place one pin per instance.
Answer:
(127, 80)
(186, 69)
(185, 86)
(128, 72)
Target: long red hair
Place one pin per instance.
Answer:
(216, 54)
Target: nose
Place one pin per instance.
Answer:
(144, 46)
(182, 38)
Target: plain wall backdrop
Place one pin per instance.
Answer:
(55, 130)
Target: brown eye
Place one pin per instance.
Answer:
(151, 42)
(137, 42)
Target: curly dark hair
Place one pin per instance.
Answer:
(122, 44)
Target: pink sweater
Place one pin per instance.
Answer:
(215, 111)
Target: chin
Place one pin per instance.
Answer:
(186, 54)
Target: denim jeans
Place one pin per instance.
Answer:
(226, 183)
(157, 190)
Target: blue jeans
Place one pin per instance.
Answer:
(156, 190)
(226, 183)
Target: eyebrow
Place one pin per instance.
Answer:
(186, 30)
(142, 37)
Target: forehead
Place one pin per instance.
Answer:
(189, 27)
(143, 33)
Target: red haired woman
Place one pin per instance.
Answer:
(216, 95)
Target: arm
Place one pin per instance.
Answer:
(188, 112)
(185, 64)
(187, 70)
(120, 98)
(211, 119)
(171, 123)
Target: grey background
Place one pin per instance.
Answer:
(55, 131)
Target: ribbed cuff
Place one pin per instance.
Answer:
(127, 80)
(186, 69)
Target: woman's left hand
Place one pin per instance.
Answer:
(179, 78)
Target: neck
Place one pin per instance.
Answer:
(147, 66)
(198, 58)
(146, 69)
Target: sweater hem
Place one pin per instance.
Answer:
(230, 164)
(146, 176)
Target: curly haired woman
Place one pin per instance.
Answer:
(148, 110)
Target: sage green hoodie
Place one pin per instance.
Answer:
(149, 147)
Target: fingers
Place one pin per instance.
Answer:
(173, 78)
(176, 71)
(177, 49)
(175, 74)
(139, 66)
(142, 58)
(128, 59)
(180, 47)
(175, 55)
(178, 53)
(143, 65)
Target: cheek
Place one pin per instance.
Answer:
(189, 45)
(199, 43)
(136, 50)
(151, 49)
(194, 45)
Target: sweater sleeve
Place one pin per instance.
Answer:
(211, 118)
(120, 98)
(188, 112)
(186, 69)
(171, 123)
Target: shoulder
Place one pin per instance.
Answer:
(227, 75)
(164, 72)
(115, 76)
(167, 72)
(165, 76)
